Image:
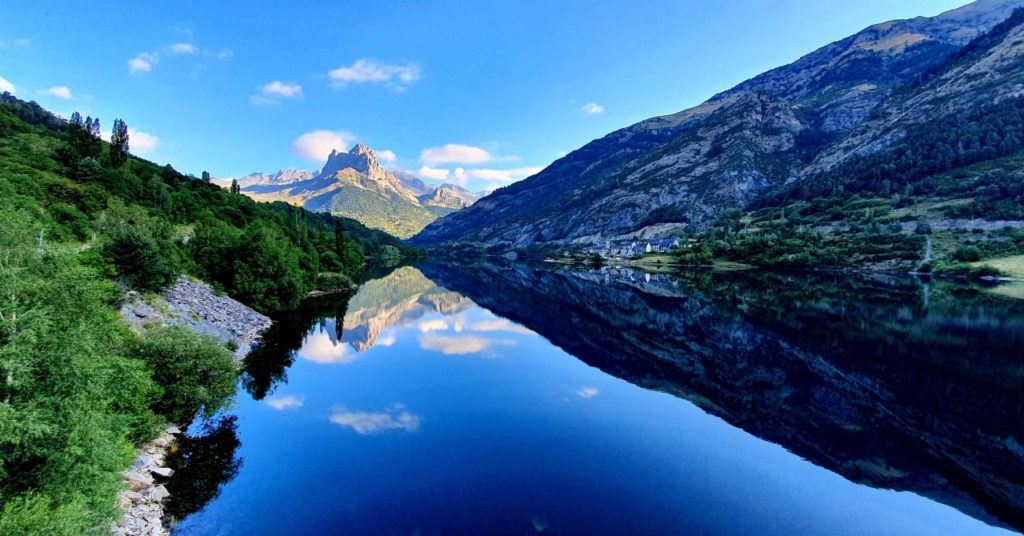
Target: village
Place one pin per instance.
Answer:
(627, 249)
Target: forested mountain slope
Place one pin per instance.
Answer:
(81, 221)
(683, 171)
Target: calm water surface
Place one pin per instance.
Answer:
(523, 400)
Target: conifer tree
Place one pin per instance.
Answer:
(119, 143)
(339, 238)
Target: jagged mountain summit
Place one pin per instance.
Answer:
(791, 124)
(356, 185)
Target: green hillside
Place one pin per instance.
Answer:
(80, 221)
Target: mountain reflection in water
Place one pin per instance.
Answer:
(889, 382)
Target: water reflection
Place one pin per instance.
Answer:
(399, 299)
(884, 381)
(268, 364)
(205, 461)
(889, 382)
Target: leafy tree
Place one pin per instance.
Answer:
(206, 176)
(139, 258)
(214, 247)
(71, 403)
(267, 273)
(195, 371)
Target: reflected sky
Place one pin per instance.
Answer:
(424, 413)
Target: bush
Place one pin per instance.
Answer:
(138, 259)
(195, 371)
(967, 254)
(333, 281)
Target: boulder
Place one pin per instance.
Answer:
(164, 472)
(159, 493)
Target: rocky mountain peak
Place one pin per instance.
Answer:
(359, 148)
(360, 158)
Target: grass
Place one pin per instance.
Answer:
(1011, 266)
(730, 266)
(1009, 290)
(656, 259)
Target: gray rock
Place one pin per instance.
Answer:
(159, 493)
(164, 472)
(144, 461)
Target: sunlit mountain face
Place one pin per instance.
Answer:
(512, 399)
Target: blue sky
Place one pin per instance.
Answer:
(494, 89)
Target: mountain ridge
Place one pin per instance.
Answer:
(682, 170)
(355, 184)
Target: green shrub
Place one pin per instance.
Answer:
(967, 254)
(139, 259)
(194, 371)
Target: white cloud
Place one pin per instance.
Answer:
(455, 153)
(587, 392)
(364, 70)
(433, 325)
(274, 92)
(460, 344)
(460, 173)
(183, 48)
(560, 154)
(365, 423)
(386, 156)
(386, 339)
(495, 323)
(141, 142)
(317, 145)
(61, 92)
(592, 108)
(498, 324)
(225, 54)
(503, 175)
(320, 348)
(433, 173)
(285, 402)
(6, 86)
(287, 90)
(143, 63)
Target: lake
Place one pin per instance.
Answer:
(522, 399)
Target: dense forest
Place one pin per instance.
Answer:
(82, 221)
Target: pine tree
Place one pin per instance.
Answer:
(234, 187)
(206, 176)
(119, 143)
(339, 239)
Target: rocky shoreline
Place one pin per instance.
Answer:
(194, 305)
(143, 496)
